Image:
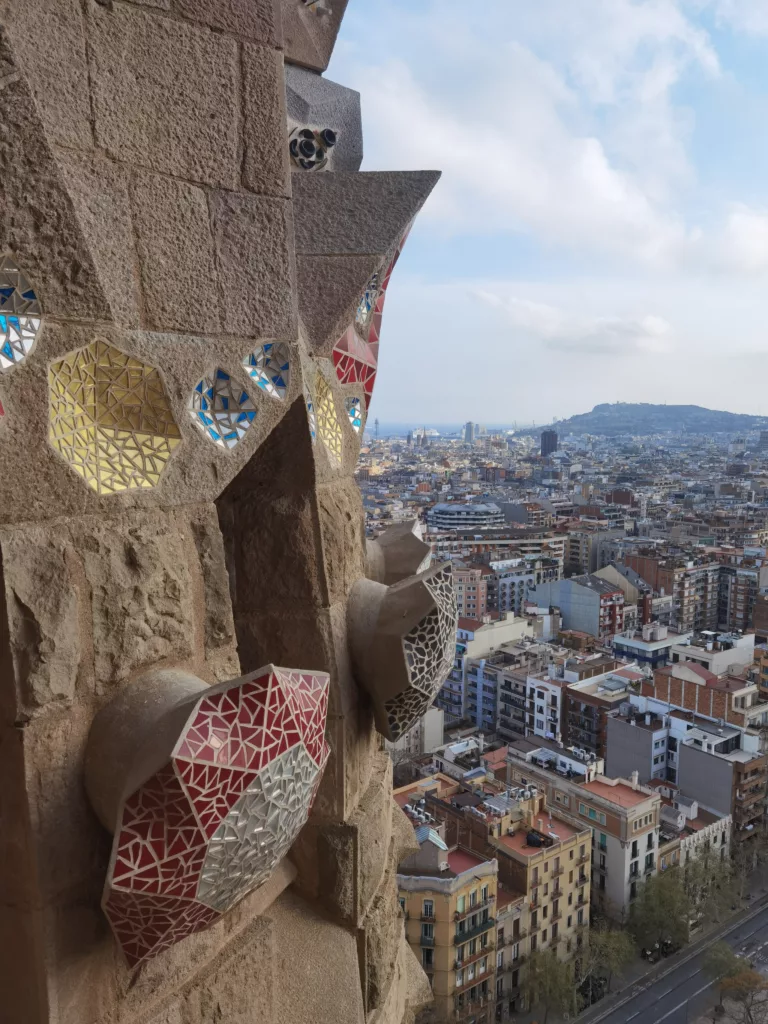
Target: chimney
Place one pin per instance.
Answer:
(541, 825)
(635, 778)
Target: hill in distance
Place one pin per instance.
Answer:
(645, 418)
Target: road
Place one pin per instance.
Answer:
(687, 992)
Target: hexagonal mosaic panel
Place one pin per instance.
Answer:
(221, 409)
(110, 418)
(212, 824)
(19, 314)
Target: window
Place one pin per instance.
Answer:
(554, 931)
(499, 959)
(429, 908)
(460, 904)
(580, 917)
(401, 901)
(427, 957)
(570, 899)
(516, 952)
(459, 979)
(582, 809)
(603, 844)
(472, 947)
(634, 849)
(427, 931)
(649, 845)
(499, 988)
(473, 898)
(570, 920)
(484, 893)
(483, 965)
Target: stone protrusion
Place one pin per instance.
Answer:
(313, 102)
(397, 553)
(205, 790)
(402, 640)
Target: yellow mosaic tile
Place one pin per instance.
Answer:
(110, 418)
(328, 425)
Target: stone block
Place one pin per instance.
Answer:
(381, 935)
(165, 94)
(345, 214)
(265, 144)
(257, 20)
(37, 219)
(330, 289)
(254, 251)
(99, 192)
(342, 535)
(315, 102)
(44, 601)
(316, 967)
(309, 36)
(176, 254)
(48, 41)
(142, 603)
(218, 624)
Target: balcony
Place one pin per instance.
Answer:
(477, 980)
(462, 937)
(510, 940)
(582, 880)
(426, 940)
(467, 960)
(476, 909)
(557, 871)
(582, 859)
(556, 892)
(430, 918)
(557, 915)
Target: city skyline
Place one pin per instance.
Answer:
(600, 221)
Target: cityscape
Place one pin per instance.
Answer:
(603, 727)
(383, 512)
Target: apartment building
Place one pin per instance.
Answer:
(497, 545)
(511, 933)
(717, 652)
(511, 580)
(650, 646)
(471, 584)
(719, 765)
(695, 587)
(588, 546)
(688, 686)
(622, 814)
(588, 705)
(587, 603)
(465, 693)
(460, 516)
(529, 513)
(761, 669)
(540, 854)
(448, 897)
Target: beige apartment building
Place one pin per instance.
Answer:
(622, 816)
(542, 863)
(449, 897)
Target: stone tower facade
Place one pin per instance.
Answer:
(192, 278)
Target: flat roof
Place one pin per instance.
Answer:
(518, 843)
(462, 860)
(620, 794)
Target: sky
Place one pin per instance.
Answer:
(600, 230)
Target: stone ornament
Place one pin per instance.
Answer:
(356, 353)
(220, 784)
(354, 407)
(397, 553)
(310, 149)
(110, 418)
(402, 643)
(311, 100)
(19, 314)
(221, 410)
(328, 425)
(270, 366)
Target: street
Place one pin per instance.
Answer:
(687, 992)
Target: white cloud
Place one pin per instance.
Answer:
(745, 239)
(567, 331)
(749, 16)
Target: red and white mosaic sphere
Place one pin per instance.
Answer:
(212, 824)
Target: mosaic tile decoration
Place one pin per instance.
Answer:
(110, 418)
(356, 353)
(310, 149)
(355, 412)
(20, 315)
(220, 408)
(429, 651)
(312, 418)
(215, 821)
(368, 303)
(328, 425)
(270, 366)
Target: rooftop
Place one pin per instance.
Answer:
(462, 860)
(518, 842)
(621, 794)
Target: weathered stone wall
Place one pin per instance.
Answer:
(146, 193)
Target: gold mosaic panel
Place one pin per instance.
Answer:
(328, 425)
(110, 418)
